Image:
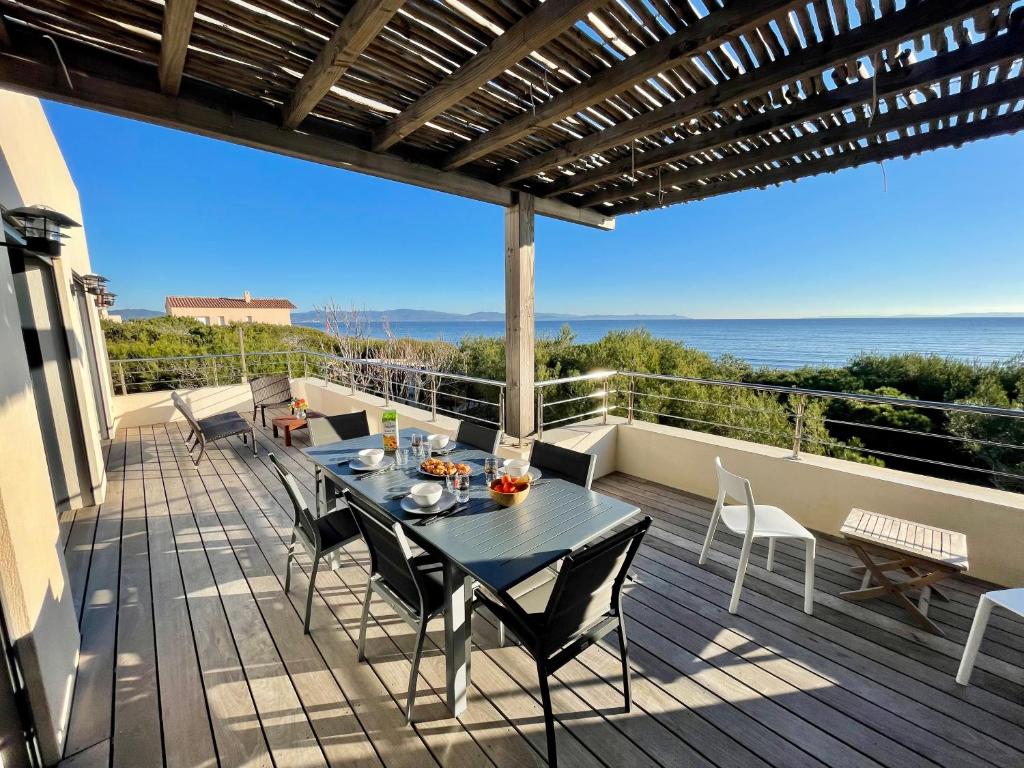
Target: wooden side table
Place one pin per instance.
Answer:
(290, 424)
(924, 553)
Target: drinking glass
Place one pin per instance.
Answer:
(401, 457)
(490, 469)
(461, 483)
(417, 444)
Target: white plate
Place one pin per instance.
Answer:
(446, 502)
(359, 466)
(534, 473)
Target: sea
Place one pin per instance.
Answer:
(783, 344)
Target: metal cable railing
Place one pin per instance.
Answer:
(394, 382)
(800, 419)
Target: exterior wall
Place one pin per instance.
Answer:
(259, 315)
(820, 491)
(34, 589)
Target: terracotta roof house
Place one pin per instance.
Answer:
(214, 310)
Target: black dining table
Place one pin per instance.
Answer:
(481, 540)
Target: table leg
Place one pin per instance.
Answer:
(287, 437)
(458, 595)
(275, 429)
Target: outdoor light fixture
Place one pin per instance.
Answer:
(105, 300)
(42, 228)
(94, 284)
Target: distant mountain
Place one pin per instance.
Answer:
(136, 314)
(432, 316)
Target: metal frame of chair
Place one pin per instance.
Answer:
(584, 604)
(211, 428)
(390, 553)
(312, 530)
(264, 388)
(333, 429)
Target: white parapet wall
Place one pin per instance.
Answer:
(820, 491)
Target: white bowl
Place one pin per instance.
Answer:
(371, 457)
(426, 494)
(516, 467)
(438, 442)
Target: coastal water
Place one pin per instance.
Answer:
(781, 343)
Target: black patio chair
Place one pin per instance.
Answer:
(484, 438)
(332, 429)
(269, 392)
(570, 611)
(210, 428)
(412, 585)
(574, 466)
(324, 535)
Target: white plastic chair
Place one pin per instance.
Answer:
(755, 521)
(1011, 600)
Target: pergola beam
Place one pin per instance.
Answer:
(176, 30)
(667, 53)
(978, 57)
(528, 34)
(904, 147)
(113, 84)
(357, 30)
(871, 36)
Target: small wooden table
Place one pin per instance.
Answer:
(924, 553)
(292, 423)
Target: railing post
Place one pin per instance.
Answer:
(288, 362)
(305, 365)
(213, 370)
(604, 402)
(798, 426)
(352, 377)
(540, 413)
(241, 353)
(433, 397)
(629, 399)
(501, 410)
(124, 384)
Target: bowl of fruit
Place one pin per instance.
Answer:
(508, 491)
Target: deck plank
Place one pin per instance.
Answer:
(186, 625)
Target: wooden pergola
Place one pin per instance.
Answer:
(579, 110)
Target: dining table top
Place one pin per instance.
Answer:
(498, 546)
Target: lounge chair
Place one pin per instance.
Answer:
(211, 428)
(269, 392)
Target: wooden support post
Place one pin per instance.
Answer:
(519, 329)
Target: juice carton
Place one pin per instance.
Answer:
(389, 426)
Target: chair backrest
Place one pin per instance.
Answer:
(303, 517)
(589, 585)
(574, 466)
(331, 429)
(273, 390)
(389, 555)
(479, 436)
(733, 486)
(186, 411)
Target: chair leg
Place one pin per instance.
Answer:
(501, 634)
(741, 572)
(252, 434)
(712, 526)
(320, 506)
(288, 563)
(627, 692)
(809, 577)
(361, 647)
(963, 675)
(549, 718)
(202, 450)
(263, 415)
(421, 635)
(771, 554)
(254, 409)
(309, 594)
(191, 433)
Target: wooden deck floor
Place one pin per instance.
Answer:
(192, 654)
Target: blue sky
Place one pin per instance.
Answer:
(171, 213)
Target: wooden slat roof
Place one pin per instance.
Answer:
(598, 108)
